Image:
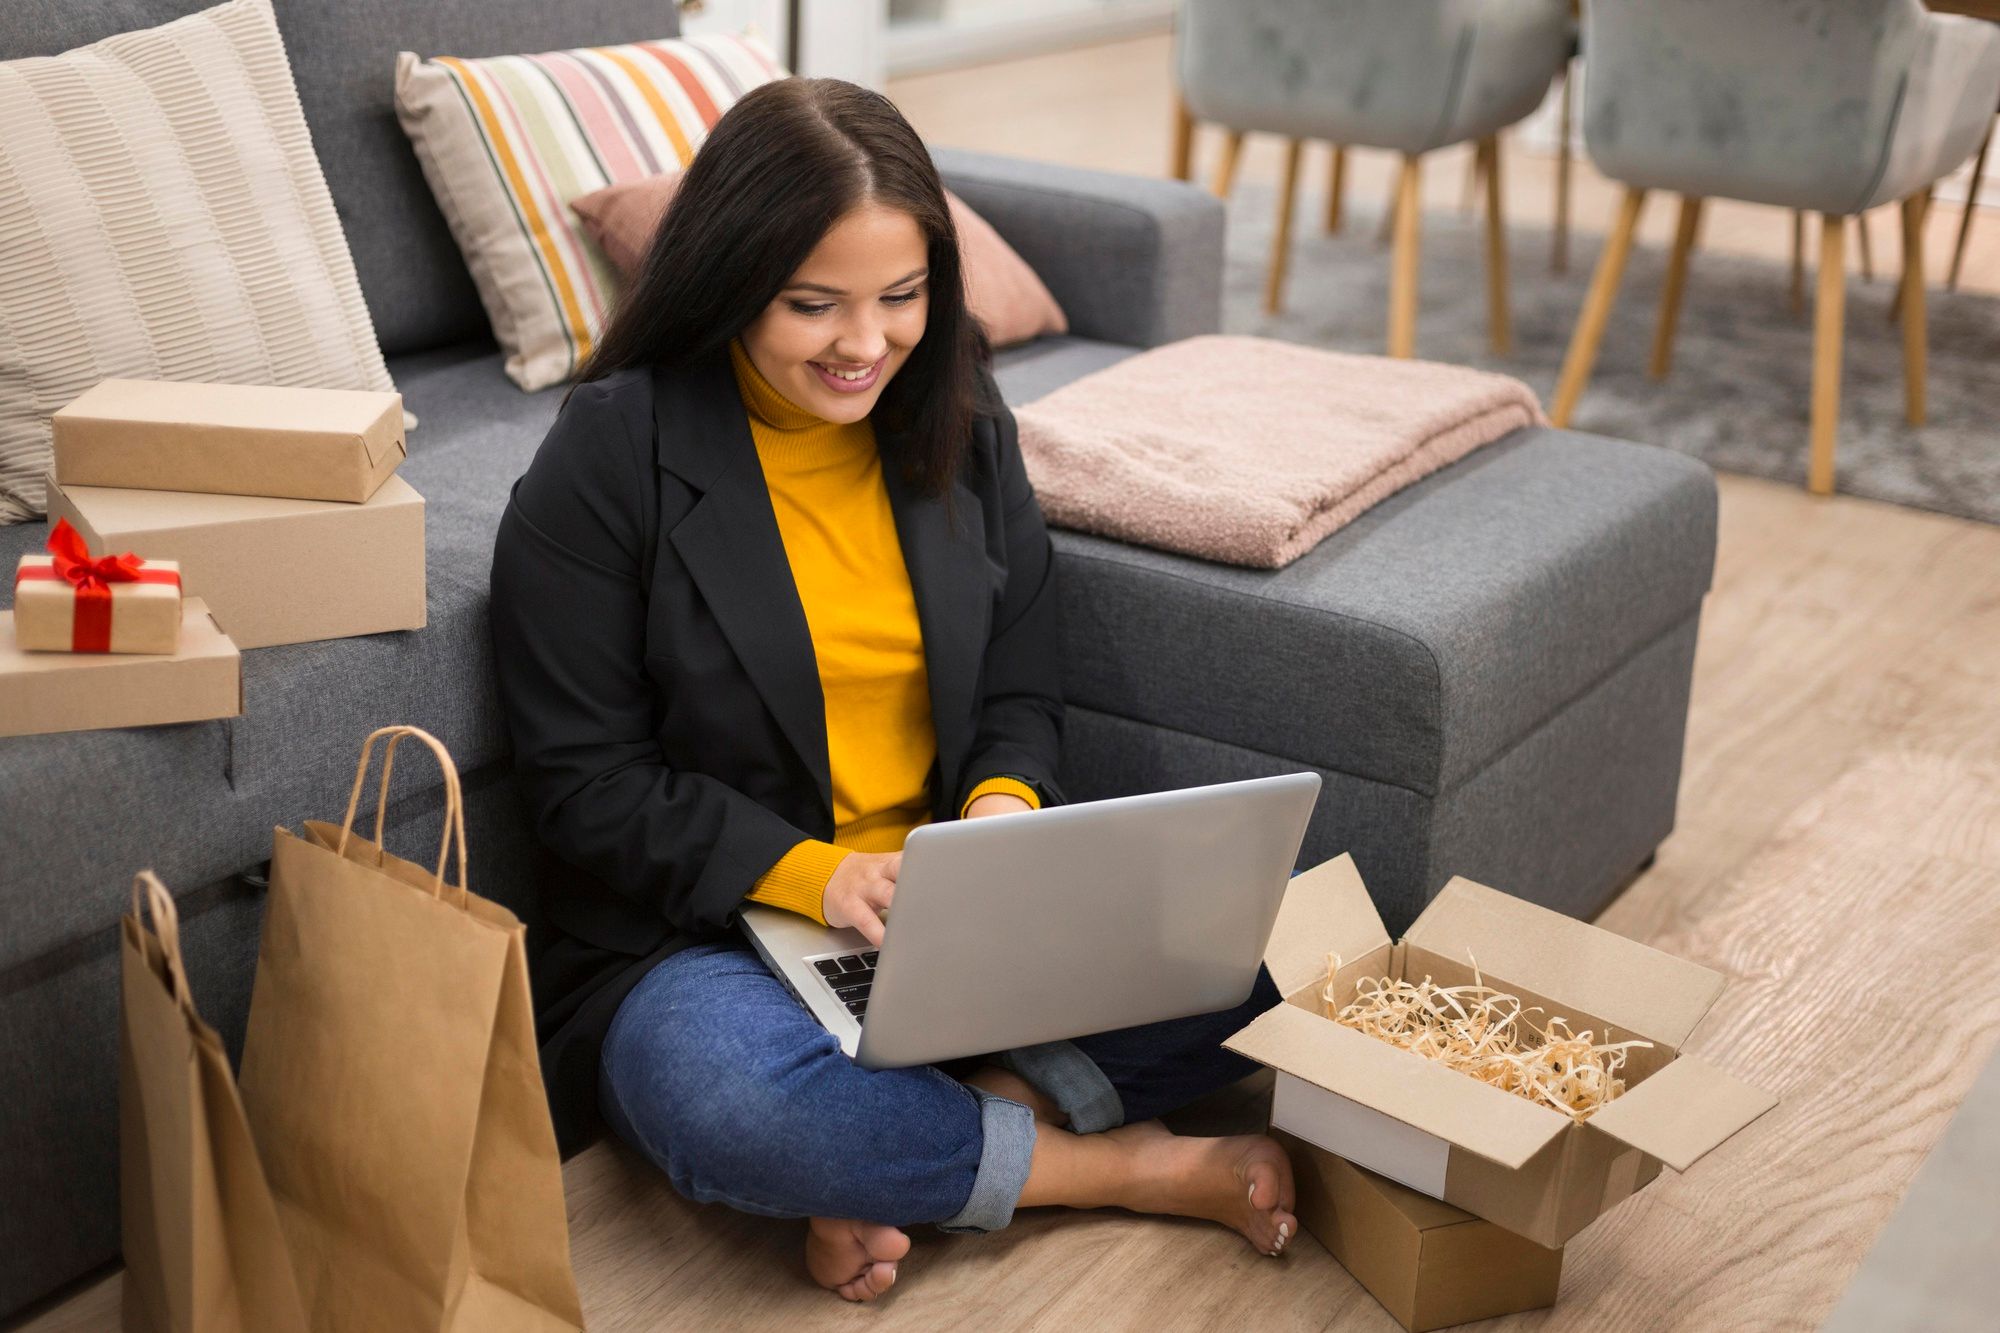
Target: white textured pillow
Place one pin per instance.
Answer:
(162, 216)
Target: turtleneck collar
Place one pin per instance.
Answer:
(763, 400)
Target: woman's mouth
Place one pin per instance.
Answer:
(849, 379)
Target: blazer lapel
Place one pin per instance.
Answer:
(731, 546)
(952, 583)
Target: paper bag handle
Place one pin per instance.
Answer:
(149, 895)
(454, 803)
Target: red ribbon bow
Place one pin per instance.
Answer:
(92, 579)
(74, 566)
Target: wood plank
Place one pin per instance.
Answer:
(1886, 874)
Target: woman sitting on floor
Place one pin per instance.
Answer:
(712, 593)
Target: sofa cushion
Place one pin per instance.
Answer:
(1027, 372)
(343, 55)
(1418, 642)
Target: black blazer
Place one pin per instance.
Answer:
(659, 680)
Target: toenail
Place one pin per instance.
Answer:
(1284, 1232)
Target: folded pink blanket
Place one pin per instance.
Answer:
(1250, 450)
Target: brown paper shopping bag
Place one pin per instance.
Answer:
(391, 1078)
(202, 1246)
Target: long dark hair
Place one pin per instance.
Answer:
(784, 164)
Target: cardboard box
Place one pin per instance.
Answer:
(273, 571)
(1430, 1264)
(1534, 1170)
(43, 692)
(51, 615)
(230, 439)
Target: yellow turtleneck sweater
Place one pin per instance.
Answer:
(847, 561)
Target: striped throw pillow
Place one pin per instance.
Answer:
(163, 217)
(507, 141)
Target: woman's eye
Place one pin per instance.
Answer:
(902, 298)
(808, 308)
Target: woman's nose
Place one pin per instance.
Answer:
(862, 341)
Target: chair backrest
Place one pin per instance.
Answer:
(1787, 102)
(1410, 75)
(343, 56)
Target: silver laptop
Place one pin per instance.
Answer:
(1045, 924)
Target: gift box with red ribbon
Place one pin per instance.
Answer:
(69, 601)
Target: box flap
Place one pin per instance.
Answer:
(1682, 1112)
(385, 435)
(1425, 1095)
(1621, 981)
(1325, 909)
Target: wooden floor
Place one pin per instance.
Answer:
(1839, 830)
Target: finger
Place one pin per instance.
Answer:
(871, 928)
(893, 866)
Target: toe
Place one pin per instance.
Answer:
(880, 1278)
(886, 1243)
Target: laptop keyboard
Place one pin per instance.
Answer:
(850, 976)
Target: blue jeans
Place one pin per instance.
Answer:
(714, 1072)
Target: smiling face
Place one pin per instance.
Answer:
(849, 317)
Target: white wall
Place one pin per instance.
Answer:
(840, 39)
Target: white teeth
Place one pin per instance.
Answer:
(861, 374)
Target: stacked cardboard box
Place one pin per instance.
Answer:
(1345, 1099)
(280, 506)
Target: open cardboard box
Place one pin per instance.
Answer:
(1536, 1171)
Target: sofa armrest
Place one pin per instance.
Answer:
(1130, 259)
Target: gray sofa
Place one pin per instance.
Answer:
(1489, 671)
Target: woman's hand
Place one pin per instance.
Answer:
(996, 803)
(858, 894)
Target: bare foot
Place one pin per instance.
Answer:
(855, 1260)
(1243, 1181)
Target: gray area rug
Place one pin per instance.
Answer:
(1739, 392)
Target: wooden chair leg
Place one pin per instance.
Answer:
(1474, 165)
(1670, 296)
(1965, 218)
(1894, 314)
(1403, 264)
(1798, 261)
(1336, 187)
(1281, 236)
(1867, 253)
(1225, 170)
(1500, 327)
(1183, 163)
(1597, 307)
(1914, 334)
(1559, 241)
(1829, 309)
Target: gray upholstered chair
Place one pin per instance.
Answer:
(1832, 106)
(1407, 75)
(1971, 207)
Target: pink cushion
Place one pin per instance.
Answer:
(1003, 292)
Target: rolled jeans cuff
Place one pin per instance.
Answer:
(1005, 1155)
(1060, 1071)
